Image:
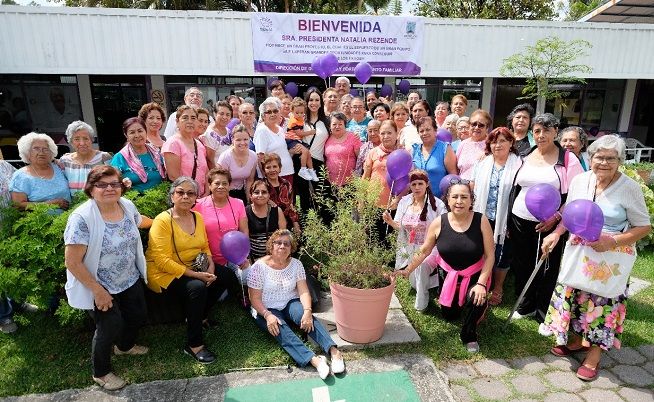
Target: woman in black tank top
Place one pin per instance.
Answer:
(263, 219)
(464, 240)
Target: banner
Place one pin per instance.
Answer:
(288, 43)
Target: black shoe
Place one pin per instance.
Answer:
(204, 356)
(209, 323)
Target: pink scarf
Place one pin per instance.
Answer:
(449, 285)
(135, 164)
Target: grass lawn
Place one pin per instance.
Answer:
(44, 357)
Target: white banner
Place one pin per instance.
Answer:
(288, 43)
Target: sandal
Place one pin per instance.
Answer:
(110, 382)
(587, 373)
(564, 350)
(495, 298)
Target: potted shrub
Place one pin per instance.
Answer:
(348, 254)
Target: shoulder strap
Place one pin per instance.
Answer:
(195, 159)
(172, 231)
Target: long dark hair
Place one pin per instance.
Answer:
(321, 110)
(418, 174)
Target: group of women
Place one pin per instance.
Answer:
(244, 177)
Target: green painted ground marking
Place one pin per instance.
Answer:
(391, 386)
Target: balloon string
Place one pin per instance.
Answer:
(537, 248)
(388, 206)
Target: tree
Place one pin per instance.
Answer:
(377, 6)
(579, 8)
(550, 62)
(494, 9)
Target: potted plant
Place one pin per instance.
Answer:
(348, 254)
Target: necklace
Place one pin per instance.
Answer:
(595, 193)
(215, 212)
(37, 173)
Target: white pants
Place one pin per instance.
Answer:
(422, 282)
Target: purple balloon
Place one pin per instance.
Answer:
(444, 135)
(583, 218)
(399, 163)
(291, 89)
(329, 64)
(316, 66)
(445, 182)
(386, 90)
(363, 72)
(232, 123)
(542, 201)
(354, 92)
(399, 185)
(404, 87)
(270, 81)
(235, 247)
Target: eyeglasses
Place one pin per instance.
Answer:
(187, 117)
(189, 194)
(260, 192)
(41, 150)
(195, 95)
(280, 243)
(247, 112)
(477, 124)
(356, 107)
(103, 185)
(609, 160)
(272, 111)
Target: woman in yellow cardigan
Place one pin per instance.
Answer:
(177, 236)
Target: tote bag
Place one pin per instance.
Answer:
(605, 274)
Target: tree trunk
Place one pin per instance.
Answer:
(541, 100)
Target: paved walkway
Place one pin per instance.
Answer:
(626, 375)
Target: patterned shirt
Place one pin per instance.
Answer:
(77, 173)
(493, 190)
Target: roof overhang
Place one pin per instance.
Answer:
(623, 11)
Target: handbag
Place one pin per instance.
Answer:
(201, 261)
(605, 274)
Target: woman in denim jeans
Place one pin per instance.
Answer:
(279, 294)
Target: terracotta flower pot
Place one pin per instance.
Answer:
(360, 314)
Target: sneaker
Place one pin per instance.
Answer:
(338, 365)
(472, 347)
(110, 382)
(27, 308)
(136, 350)
(323, 368)
(545, 330)
(518, 316)
(8, 326)
(314, 175)
(304, 173)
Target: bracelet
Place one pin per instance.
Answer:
(307, 309)
(558, 216)
(615, 240)
(482, 285)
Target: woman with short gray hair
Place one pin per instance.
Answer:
(77, 165)
(575, 140)
(269, 137)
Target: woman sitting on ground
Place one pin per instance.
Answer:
(78, 164)
(415, 212)
(464, 241)
(105, 263)
(263, 219)
(176, 239)
(279, 294)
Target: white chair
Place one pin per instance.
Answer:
(638, 150)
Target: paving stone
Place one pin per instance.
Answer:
(649, 366)
(633, 375)
(459, 371)
(562, 397)
(647, 351)
(607, 361)
(627, 355)
(566, 380)
(637, 394)
(529, 384)
(604, 395)
(562, 363)
(461, 393)
(492, 367)
(606, 380)
(530, 364)
(523, 400)
(491, 389)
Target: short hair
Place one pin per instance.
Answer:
(276, 235)
(239, 128)
(374, 122)
(257, 183)
(271, 100)
(485, 115)
(503, 131)
(399, 106)
(460, 96)
(297, 102)
(463, 119)
(451, 117)
(330, 89)
(76, 126)
(347, 97)
(523, 107)
(244, 104)
(219, 171)
(137, 120)
(458, 182)
(439, 103)
(277, 83)
(25, 145)
(338, 116)
(202, 110)
(286, 96)
(343, 79)
(417, 93)
(224, 104)
(148, 107)
(609, 142)
(188, 91)
(425, 120)
(230, 97)
(425, 105)
(97, 173)
(546, 120)
(183, 108)
(583, 137)
(178, 182)
(381, 104)
(271, 157)
(389, 122)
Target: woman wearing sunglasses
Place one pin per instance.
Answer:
(473, 149)
(279, 294)
(269, 137)
(263, 219)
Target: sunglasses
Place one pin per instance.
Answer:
(284, 243)
(269, 112)
(183, 193)
(103, 185)
(477, 124)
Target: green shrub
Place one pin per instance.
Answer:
(649, 201)
(32, 252)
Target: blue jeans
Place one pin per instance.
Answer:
(287, 338)
(6, 308)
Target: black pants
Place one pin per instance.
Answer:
(525, 242)
(383, 230)
(198, 300)
(304, 189)
(471, 313)
(119, 325)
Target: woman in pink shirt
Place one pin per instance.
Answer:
(241, 163)
(473, 149)
(341, 150)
